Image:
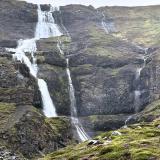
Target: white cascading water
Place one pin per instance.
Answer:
(48, 106)
(74, 117)
(104, 25)
(45, 28)
(108, 26)
(127, 120)
(137, 92)
(80, 130)
(137, 100)
(26, 46)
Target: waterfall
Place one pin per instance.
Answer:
(127, 120)
(49, 109)
(104, 25)
(74, 117)
(45, 28)
(138, 91)
(79, 128)
(137, 100)
(27, 46)
(108, 26)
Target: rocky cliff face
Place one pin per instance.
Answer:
(106, 48)
(105, 59)
(52, 68)
(24, 131)
(18, 20)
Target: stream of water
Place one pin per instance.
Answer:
(45, 28)
(138, 91)
(74, 117)
(80, 130)
(108, 25)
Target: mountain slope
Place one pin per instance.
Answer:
(137, 142)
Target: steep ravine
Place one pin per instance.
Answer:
(110, 80)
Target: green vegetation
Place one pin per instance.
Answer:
(50, 44)
(63, 39)
(104, 44)
(59, 124)
(151, 112)
(137, 142)
(6, 110)
(140, 25)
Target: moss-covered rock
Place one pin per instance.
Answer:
(151, 112)
(63, 129)
(52, 68)
(24, 130)
(137, 142)
(136, 24)
(6, 111)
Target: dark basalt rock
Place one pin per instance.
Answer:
(103, 66)
(16, 85)
(17, 20)
(8, 44)
(31, 134)
(45, 7)
(52, 58)
(52, 68)
(103, 69)
(97, 123)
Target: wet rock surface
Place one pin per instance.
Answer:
(17, 86)
(52, 68)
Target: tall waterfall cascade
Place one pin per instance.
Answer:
(79, 128)
(138, 91)
(74, 117)
(45, 28)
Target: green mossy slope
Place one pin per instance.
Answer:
(137, 142)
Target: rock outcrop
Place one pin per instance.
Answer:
(25, 131)
(9, 155)
(140, 141)
(52, 68)
(104, 64)
(17, 20)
